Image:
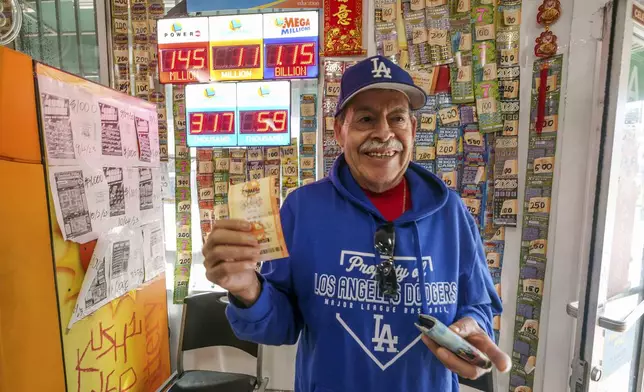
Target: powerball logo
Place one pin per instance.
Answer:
(292, 25)
(177, 30)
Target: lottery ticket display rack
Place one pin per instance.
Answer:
(52, 337)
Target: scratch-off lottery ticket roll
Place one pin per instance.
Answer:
(256, 202)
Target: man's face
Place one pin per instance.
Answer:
(377, 136)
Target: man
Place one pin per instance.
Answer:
(334, 292)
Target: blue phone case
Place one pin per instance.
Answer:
(448, 339)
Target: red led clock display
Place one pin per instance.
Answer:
(236, 57)
(212, 123)
(263, 121)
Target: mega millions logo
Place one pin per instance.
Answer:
(292, 25)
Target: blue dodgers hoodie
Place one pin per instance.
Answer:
(350, 337)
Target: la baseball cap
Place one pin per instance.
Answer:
(378, 72)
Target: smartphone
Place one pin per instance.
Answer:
(445, 337)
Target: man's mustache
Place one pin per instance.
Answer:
(377, 145)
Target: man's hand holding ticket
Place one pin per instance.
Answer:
(253, 234)
(256, 203)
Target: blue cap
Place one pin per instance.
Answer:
(378, 72)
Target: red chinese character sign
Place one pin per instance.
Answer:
(343, 28)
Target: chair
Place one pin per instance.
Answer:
(204, 324)
(484, 384)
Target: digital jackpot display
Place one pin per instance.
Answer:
(236, 47)
(270, 46)
(211, 114)
(291, 45)
(239, 114)
(183, 50)
(264, 113)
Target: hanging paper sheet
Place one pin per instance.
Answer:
(343, 28)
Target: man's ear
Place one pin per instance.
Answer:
(414, 123)
(338, 123)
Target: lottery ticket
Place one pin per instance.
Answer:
(449, 156)
(387, 41)
(416, 33)
(473, 178)
(535, 228)
(460, 8)
(541, 155)
(254, 201)
(538, 195)
(438, 35)
(271, 155)
(551, 117)
(255, 170)
(255, 154)
(386, 11)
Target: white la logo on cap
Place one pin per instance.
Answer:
(379, 68)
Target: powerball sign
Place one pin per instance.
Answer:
(211, 115)
(183, 50)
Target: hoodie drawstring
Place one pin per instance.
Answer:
(421, 270)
